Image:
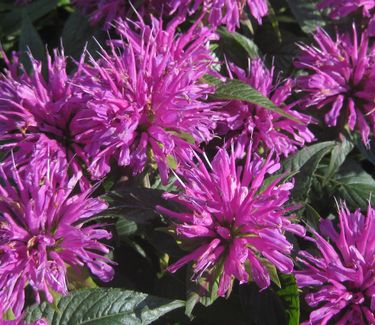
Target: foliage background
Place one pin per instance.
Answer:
(337, 166)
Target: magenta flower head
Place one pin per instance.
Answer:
(341, 80)
(342, 274)
(235, 219)
(32, 105)
(222, 12)
(43, 230)
(268, 130)
(146, 96)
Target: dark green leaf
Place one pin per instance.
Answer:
(11, 21)
(339, 154)
(103, 307)
(238, 90)
(299, 159)
(306, 14)
(307, 161)
(236, 47)
(125, 228)
(354, 185)
(78, 33)
(30, 41)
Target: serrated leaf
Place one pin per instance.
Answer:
(104, 307)
(307, 15)
(354, 185)
(299, 159)
(307, 161)
(338, 156)
(238, 90)
(290, 296)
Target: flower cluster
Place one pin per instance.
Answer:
(146, 98)
(341, 79)
(235, 219)
(268, 130)
(43, 229)
(148, 103)
(32, 105)
(343, 272)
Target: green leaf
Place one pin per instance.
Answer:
(238, 90)
(125, 228)
(78, 33)
(307, 161)
(104, 307)
(30, 40)
(339, 154)
(11, 21)
(135, 204)
(354, 185)
(290, 297)
(79, 278)
(299, 159)
(306, 14)
(9, 315)
(236, 47)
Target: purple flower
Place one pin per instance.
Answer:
(343, 8)
(235, 218)
(43, 229)
(32, 105)
(268, 130)
(222, 12)
(146, 98)
(343, 272)
(341, 80)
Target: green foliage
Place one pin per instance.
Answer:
(103, 307)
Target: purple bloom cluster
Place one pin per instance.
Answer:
(341, 79)
(146, 98)
(146, 104)
(267, 129)
(43, 229)
(234, 219)
(32, 105)
(344, 270)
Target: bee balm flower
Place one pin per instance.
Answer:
(342, 274)
(146, 98)
(235, 219)
(43, 230)
(243, 121)
(341, 79)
